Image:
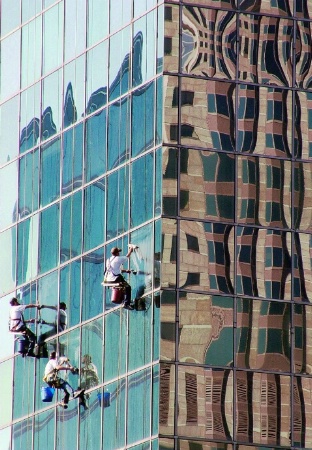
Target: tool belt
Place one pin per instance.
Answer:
(52, 379)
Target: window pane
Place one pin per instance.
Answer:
(120, 16)
(44, 430)
(119, 56)
(30, 113)
(23, 379)
(27, 249)
(117, 203)
(9, 120)
(52, 105)
(94, 225)
(12, 13)
(49, 239)
(31, 51)
(28, 183)
(72, 158)
(143, 118)
(97, 20)
(114, 430)
(91, 357)
(115, 344)
(70, 291)
(92, 291)
(22, 434)
(53, 38)
(74, 91)
(8, 194)
(119, 138)
(140, 337)
(95, 145)
(6, 374)
(142, 189)
(71, 227)
(144, 48)
(139, 406)
(50, 172)
(97, 77)
(75, 28)
(10, 67)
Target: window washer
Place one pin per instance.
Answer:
(18, 324)
(53, 380)
(114, 272)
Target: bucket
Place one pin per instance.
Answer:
(47, 393)
(117, 295)
(106, 399)
(22, 345)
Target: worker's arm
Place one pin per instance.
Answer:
(32, 305)
(129, 252)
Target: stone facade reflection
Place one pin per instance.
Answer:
(240, 130)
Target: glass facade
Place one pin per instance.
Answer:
(182, 127)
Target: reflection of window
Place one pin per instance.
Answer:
(184, 198)
(192, 243)
(187, 97)
(168, 13)
(193, 278)
(164, 393)
(191, 397)
(186, 131)
(167, 45)
(168, 331)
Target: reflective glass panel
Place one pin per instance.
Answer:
(167, 387)
(23, 394)
(97, 17)
(71, 226)
(50, 172)
(94, 207)
(72, 158)
(70, 280)
(91, 359)
(22, 434)
(75, 28)
(44, 430)
(117, 202)
(119, 56)
(28, 183)
(169, 253)
(27, 249)
(92, 291)
(142, 189)
(53, 32)
(9, 119)
(29, 118)
(8, 194)
(114, 434)
(11, 11)
(140, 337)
(115, 344)
(52, 105)
(143, 118)
(74, 91)
(10, 67)
(139, 406)
(120, 16)
(49, 238)
(95, 146)
(144, 49)
(30, 8)
(119, 137)
(6, 373)
(96, 85)
(31, 51)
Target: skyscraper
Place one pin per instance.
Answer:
(181, 127)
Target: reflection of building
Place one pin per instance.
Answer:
(183, 128)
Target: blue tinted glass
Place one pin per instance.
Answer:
(142, 176)
(50, 172)
(24, 372)
(9, 139)
(142, 261)
(139, 406)
(6, 374)
(29, 117)
(94, 207)
(143, 118)
(28, 183)
(70, 279)
(44, 430)
(91, 360)
(96, 145)
(140, 331)
(118, 132)
(115, 347)
(117, 203)
(49, 239)
(114, 430)
(96, 85)
(22, 434)
(27, 249)
(72, 158)
(92, 290)
(71, 227)
(119, 57)
(159, 110)
(155, 400)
